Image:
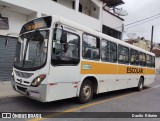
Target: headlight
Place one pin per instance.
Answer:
(37, 81)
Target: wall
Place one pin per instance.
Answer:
(55, 8)
(67, 3)
(111, 21)
(15, 22)
(32, 16)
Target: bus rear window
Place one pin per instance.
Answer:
(153, 61)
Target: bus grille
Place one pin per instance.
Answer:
(23, 74)
(21, 89)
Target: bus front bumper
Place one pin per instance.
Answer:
(36, 93)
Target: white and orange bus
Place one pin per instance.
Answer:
(58, 59)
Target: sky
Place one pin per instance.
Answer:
(138, 10)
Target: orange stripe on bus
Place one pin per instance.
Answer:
(88, 67)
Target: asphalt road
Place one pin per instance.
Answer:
(128, 100)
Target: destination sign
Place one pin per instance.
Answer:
(34, 26)
(39, 23)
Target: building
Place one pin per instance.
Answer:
(157, 54)
(146, 44)
(95, 14)
(141, 43)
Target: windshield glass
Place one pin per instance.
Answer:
(31, 52)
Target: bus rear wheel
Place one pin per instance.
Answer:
(140, 84)
(86, 91)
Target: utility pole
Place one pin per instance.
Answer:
(152, 38)
(122, 31)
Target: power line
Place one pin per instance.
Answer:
(143, 22)
(139, 21)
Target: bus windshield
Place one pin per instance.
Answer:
(31, 52)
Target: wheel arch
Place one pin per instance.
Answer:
(93, 79)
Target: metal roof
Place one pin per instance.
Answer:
(113, 3)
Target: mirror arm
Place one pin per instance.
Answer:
(56, 25)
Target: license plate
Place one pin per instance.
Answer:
(35, 94)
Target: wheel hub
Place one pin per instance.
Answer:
(86, 91)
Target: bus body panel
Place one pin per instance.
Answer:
(64, 82)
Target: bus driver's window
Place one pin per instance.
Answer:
(66, 49)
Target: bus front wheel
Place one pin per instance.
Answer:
(86, 91)
(140, 84)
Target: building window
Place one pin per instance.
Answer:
(80, 6)
(91, 47)
(111, 32)
(142, 59)
(108, 51)
(4, 23)
(134, 59)
(123, 54)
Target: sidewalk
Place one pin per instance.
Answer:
(6, 90)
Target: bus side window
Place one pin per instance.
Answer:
(91, 47)
(134, 60)
(105, 51)
(113, 52)
(142, 59)
(108, 51)
(123, 54)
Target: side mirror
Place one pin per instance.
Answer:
(59, 34)
(64, 37)
(39, 37)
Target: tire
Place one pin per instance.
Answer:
(140, 84)
(86, 91)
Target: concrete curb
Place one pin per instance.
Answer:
(5, 82)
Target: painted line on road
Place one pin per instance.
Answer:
(89, 105)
